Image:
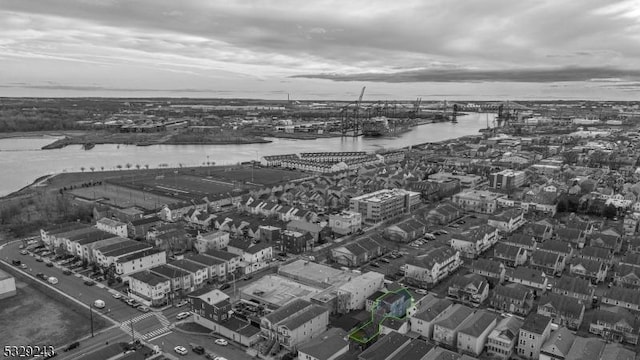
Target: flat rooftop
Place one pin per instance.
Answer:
(277, 290)
(314, 274)
(4, 275)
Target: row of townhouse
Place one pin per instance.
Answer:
(475, 241)
(432, 266)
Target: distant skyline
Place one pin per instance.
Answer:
(322, 50)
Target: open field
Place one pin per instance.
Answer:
(123, 197)
(258, 175)
(32, 317)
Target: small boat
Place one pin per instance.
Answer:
(88, 146)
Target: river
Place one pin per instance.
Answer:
(22, 161)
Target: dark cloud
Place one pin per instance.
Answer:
(567, 74)
(106, 88)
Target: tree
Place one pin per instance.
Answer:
(146, 166)
(610, 211)
(82, 168)
(128, 165)
(138, 166)
(101, 168)
(92, 169)
(119, 167)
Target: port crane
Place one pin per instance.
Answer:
(351, 116)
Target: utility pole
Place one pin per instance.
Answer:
(133, 339)
(91, 315)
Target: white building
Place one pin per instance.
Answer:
(149, 288)
(139, 261)
(475, 241)
(345, 222)
(353, 294)
(215, 240)
(253, 256)
(7, 285)
(112, 226)
(384, 204)
(433, 266)
(295, 323)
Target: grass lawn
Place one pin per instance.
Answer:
(32, 317)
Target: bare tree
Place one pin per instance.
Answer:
(128, 165)
(82, 168)
(119, 167)
(101, 168)
(138, 166)
(92, 169)
(146, 166)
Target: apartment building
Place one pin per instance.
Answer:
(142, 260)
(295, 323)
(345, 222)
(507, 179)
(215, 240)
(384, 204)
(149, 288)
(480, 201)
(474, 332)
(534, 332)
(502, 341)
(432, 266)
(111, 226)
(475, 241)
(216, 268)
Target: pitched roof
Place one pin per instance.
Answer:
(326, 345)
(631, 296)
(506, 251)
(545, 258)
(596, 252)
(573, 284)
(536, 323)
(558, 246)
(507, 328)
(521, 239)
(529, 274)
(559, 343)
(586, 349)
(478, 323)
(436, 255)
(430, 310)
(512, 291)
(487, 265)
(455, 317)
(564, 305)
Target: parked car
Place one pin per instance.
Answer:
(224, 286)
(421, 291)
(16, 262)
(385, 260)
(23, 266)
(221, 342)
(180, 350)
(99, 304)
(49, 264)
(24, 252)
(375, 264)
(72, 346)
(117, 295)
(39, 259)
(89, 282)
(143, 308)
(198, 349)
(67, 272)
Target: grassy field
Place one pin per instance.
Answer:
(123, 197)
(258, 175)
(32, 317)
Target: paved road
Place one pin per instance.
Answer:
(171, 340)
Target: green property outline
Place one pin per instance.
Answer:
(352, 335)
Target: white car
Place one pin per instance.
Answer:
(421, 291)
(183, 315)
(182, 303)
(219, 358)
(117, 296)
(99, 304)
(221, 342)
(180, 350)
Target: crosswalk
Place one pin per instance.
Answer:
(126, 325)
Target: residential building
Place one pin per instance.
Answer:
(593, 270)
(295, 323)
(215, 240)
(558, 345)
(199, 273)
(210, 307)
(563, 310)
(533, 334)
(430, 267)
(507, 179)
(138, 228)
(470, 289)
(493, 271)
(625, 298)
(615, 324)
(559, 247)
(231, 260)
(181, 282)
(586, 349)
(358, 252)
(475, 241)
(617, 352)
(513, 298)
(480, 201)
(474, 332)
(574, 287)
(576, 237)
(406, 230)
(509, 255)
(149, 288)
(345, 222)
(384, 204)
(613, 243)
(108, 255)
(295, 242)
(508, 221)
(328, 346)
(428, 312)
(445, 329)
(502, 341)
(550, 262)
(142, 260)
(255, 256)
(627, 275)
(217, 270)
(111, 226)
(527, 276)
(386, 347)
(353, 294)
(539, 232)
(7, 285)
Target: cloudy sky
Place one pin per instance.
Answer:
(435, 49)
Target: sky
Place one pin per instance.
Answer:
(322, 50)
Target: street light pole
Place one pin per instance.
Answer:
(91, 315)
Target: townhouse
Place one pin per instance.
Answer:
(180, 280)
(199, 273)
(354, 293)
(428, 312)
(539, 232)
(474, 332)
(593, 270)
(509, 255)
(149, 288)
(215, 240)
(576, 237)
(596, 253)
(530, 277)
(51, 235)
(295, 323)
(470, 289)
(563, 310)
(502, 341)
(111, 226)
(475, 241)
(622, 297)
(358, 252)
(613, 243)
(231, 261)
(430, 267)
(513, 298)
(615, 324)
(107, 256)
(493, 271)
(85, 247)
(254, 256)
(574, 287)
(445, 329)
(558, 345)
(216, 268)
(508, 221)
(627, 275)
(524, 241)
(210, 308)
(533, 334)
(138, 261)
(559, 247)
(550, 262)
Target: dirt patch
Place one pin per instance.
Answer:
(32, 317)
